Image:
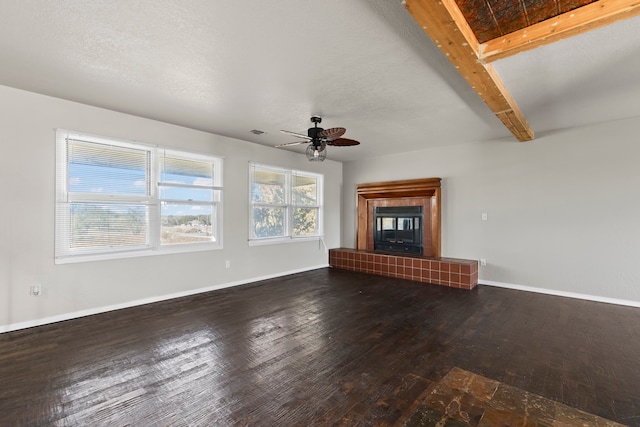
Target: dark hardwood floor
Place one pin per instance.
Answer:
(327, 347)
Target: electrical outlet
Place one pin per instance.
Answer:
(227, 264)
(35, 290)
(483, 262)
(484, 216)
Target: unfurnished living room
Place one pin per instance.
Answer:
(296, 213)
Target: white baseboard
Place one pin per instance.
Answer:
(561, 293)
(82, 313)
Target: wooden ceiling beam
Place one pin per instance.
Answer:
(578, 21)
(443, 21)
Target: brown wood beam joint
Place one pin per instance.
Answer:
(577, 21)
(444, 23)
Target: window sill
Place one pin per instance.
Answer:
(164, 250)
(279, 240)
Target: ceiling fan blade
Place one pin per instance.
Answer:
(299, 135)
(343, 142)
(291, 143)
(332, 133)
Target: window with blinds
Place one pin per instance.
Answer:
(189, 199)
(284, 204)
(125, 198)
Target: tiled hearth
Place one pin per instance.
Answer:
(456, 273)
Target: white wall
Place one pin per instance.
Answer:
(563, 210)
(27, 173)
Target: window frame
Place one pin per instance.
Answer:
(288, 205)
(63, 253)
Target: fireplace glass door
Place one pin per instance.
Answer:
(398, 229)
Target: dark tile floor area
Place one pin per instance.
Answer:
(463, 398)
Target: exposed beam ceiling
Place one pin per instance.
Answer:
(444, 22)
(585, 18)
(229, 67)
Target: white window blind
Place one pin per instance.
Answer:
(107, 198)
(189, 199)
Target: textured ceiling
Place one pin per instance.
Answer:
(230, 67)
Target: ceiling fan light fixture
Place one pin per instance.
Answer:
(319, 138)
(317, 152)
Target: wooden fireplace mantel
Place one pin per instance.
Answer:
(424, 192)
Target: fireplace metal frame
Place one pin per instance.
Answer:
(403, 232)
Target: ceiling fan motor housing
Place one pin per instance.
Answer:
(313, 132)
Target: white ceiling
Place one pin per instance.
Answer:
(227, 67)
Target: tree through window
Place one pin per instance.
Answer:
(284, 203)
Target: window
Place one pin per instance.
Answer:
(116, 199)
(285, 204)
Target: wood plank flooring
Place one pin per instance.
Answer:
(327, 347)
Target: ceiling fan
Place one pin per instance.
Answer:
(319, 139)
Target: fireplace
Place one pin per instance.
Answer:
(393, 217)
(423, 193)
(398, 229)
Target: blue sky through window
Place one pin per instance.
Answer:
(92, 178)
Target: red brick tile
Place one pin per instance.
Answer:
(444, 272)
(455, 278)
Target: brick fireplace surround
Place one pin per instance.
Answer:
(430, 268)
(452, 272)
